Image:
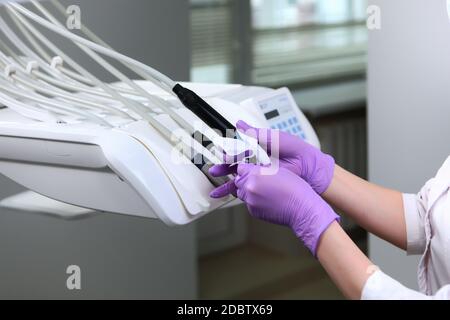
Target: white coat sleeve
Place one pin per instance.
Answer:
(415, 210)
(379, 286)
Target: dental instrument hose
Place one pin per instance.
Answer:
(190, 99)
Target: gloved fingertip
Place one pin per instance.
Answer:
(218, 193)
(215, 194)
(243, 126)
(220, 170)
(214, 171)
(224, 190)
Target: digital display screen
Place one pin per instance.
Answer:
(272, 114)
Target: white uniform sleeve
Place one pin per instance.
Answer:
(379, 286)
(414, 206)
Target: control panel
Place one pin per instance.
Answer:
(282, 113)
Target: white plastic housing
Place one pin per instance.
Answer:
(126, 170)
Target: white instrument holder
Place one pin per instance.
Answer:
(55, 95)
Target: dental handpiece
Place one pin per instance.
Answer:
(204, 111)
(217, 122)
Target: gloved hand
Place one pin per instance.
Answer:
(305, 160)
(285, 199)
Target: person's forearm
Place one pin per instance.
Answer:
(378, 210)
(346, 265)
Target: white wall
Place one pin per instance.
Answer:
(120, 257)
(409, 107)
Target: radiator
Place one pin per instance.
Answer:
(345, 138)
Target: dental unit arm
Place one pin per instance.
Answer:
(129, 147)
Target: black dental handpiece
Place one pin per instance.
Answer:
(204, 111)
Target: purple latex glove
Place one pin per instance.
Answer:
(285, 199)
(293, 153)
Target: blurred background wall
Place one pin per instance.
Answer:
(119, 257)
(408, 108)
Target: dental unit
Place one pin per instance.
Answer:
(136, 147)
